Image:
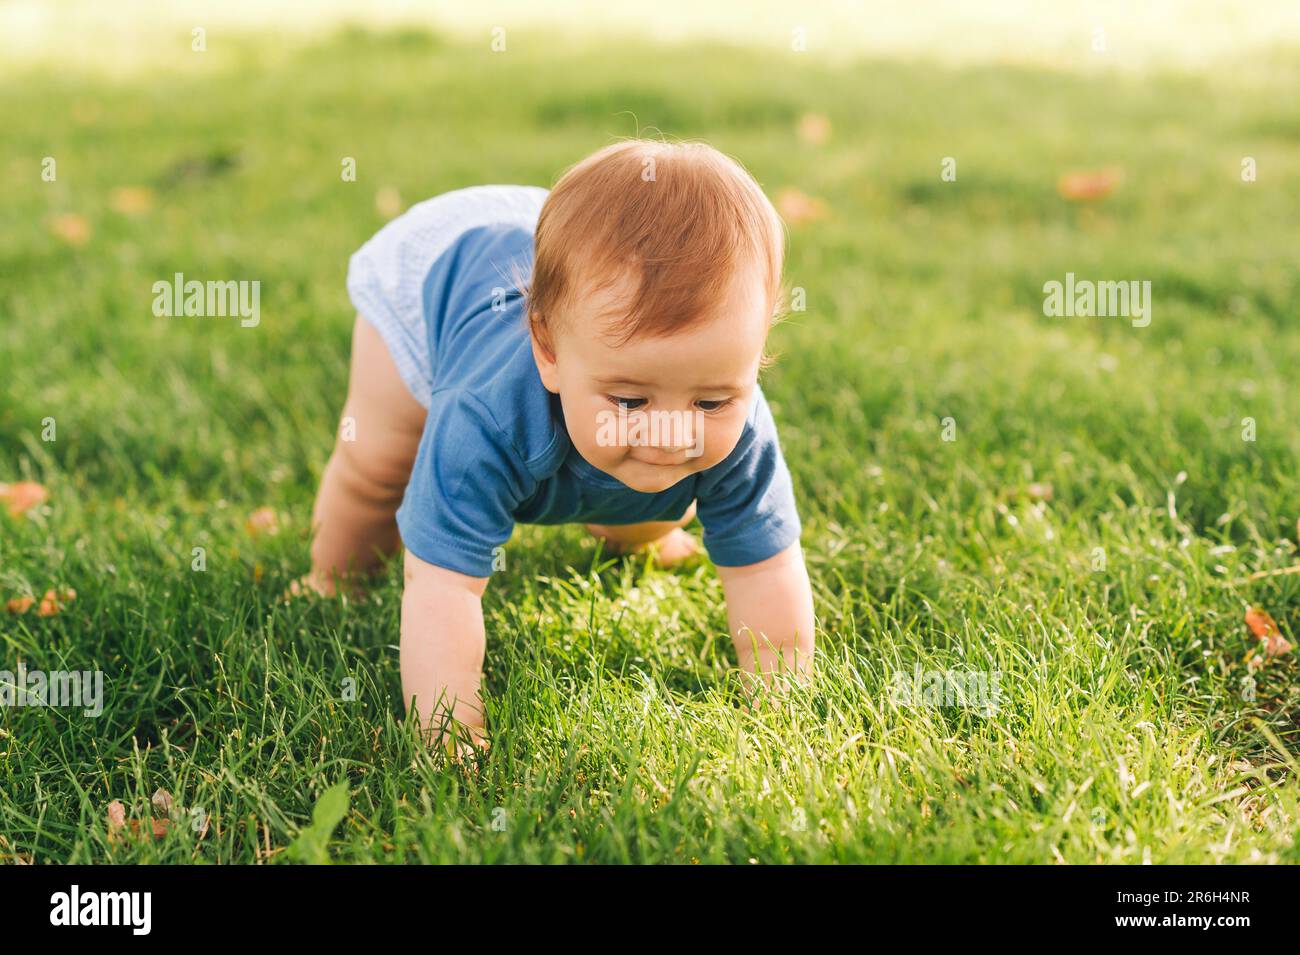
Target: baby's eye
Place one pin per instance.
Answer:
(627, 404)
(712, 404)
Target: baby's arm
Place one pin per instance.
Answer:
(770, 614)
(443, 643)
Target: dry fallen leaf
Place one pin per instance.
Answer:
(263, 521)
(22, 496)
(1088, 185)
(71, 228)
(19, 604)
(814, 129)
(118, 824)
(162, 802)
(54, 601)
(797, 207)
(131, 200)
(388, 203)
(116, 818)
(1263, 626)
(160, 827)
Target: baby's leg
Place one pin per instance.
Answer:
(670, 543)
(353, 521)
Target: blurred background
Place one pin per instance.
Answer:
(124, 35)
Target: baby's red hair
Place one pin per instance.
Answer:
(680, 219)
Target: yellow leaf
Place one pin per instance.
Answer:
(1089, 184)
(388, 203)
(22, 496)
(131, 200)
(71, 228)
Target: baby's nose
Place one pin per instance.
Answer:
(677, 433)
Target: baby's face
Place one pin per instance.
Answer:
(653, 410)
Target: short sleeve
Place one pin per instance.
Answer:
(467, 481)
(746, 502)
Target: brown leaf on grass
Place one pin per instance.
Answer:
(71, 228)
(1089, 184)
(165, 811)
(116, 818)
(1263, 626)
(119, 825)
(797, 207)
(264, 520)
(19, 605)
(1260, 622)
(814, 129)
(160, 827)
(21, 496)
(54, 601)
(131, 200)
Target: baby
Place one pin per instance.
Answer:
(620, 390)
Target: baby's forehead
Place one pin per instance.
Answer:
(622, 304)
(722, 353)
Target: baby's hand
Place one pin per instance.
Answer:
(770, 616)
(443, 644)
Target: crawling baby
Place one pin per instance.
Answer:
(585, 355)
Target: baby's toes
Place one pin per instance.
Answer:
(308, 585)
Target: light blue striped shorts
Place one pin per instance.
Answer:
(386, 275)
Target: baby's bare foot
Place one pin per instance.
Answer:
(313, 584)
(673, 548)
(667, 551)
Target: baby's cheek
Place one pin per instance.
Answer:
(584, 425)
(719, 443)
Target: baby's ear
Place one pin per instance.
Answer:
(544, 353)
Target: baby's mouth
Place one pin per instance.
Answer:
(657, 460)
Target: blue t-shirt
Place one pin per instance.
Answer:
(440, 283)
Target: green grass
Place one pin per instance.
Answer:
(1122, 734)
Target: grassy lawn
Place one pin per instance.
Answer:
(1085, 535)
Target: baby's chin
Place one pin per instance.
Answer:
(651, 478)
